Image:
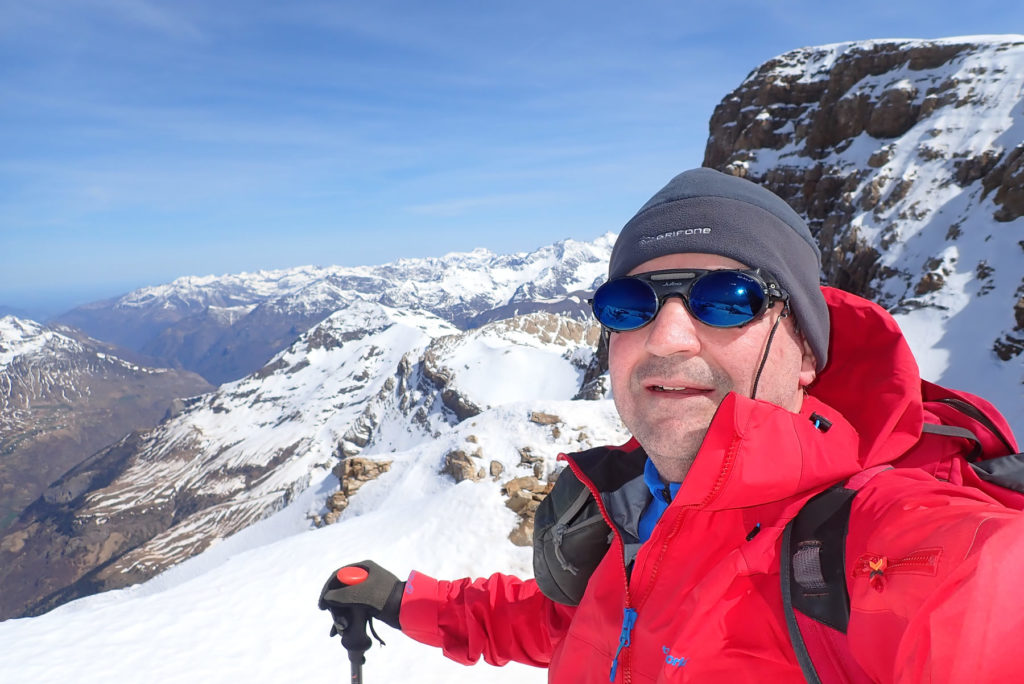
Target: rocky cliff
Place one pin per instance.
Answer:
(907, 159)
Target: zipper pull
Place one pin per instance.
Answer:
(628, 620)
(877, 575)
(558, 537)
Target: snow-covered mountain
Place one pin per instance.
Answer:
(907, 158)
(246, 607)
(370, 377)
(226, 327)
(62, 397)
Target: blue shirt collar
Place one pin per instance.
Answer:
(654, 482)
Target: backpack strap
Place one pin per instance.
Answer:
(970, 410)
(1005, 471)
(813, 575)
(956, 431)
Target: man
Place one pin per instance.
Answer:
(748, 389)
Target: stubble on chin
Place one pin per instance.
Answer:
(672, 455)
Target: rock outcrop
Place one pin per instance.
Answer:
(463, 466)
(352, 473)
(524, 495)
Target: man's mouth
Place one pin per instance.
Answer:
(671, 389)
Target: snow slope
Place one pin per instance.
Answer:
(245, 610)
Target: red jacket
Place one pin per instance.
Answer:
(706, 591)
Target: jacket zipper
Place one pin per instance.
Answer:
(625, 638)
(877, 568)
(629, 614)
(716, 488)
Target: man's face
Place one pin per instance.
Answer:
(669, 377)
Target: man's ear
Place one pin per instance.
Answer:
(808, 364)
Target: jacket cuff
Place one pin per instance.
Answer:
(418, 615)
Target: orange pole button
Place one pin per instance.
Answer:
(352, 575)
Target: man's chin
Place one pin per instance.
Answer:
(673, 451)
(672, 468)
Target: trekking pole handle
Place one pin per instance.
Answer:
(353, 635)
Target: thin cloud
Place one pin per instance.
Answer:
(153, 16)
(90, 20)
(465, 205)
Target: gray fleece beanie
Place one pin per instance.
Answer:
(706, 211)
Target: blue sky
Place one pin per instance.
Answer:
(145, 140)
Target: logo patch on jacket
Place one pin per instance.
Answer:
(671, 659)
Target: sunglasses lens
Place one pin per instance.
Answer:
(725, 299)
(625, 304)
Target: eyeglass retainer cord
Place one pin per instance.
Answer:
(768, 347)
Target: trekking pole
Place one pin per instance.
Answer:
(353, 634)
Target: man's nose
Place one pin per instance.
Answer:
(673, 330)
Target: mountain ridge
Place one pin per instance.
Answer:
(224, 327)
(368, 377)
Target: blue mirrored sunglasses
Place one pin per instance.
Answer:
(722, 298)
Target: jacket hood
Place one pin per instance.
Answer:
(872, 378)
(869, 396)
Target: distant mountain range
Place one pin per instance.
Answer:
(906, 157)
(115, 518)
(226, 327)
